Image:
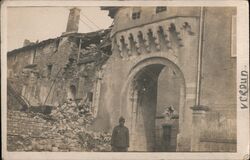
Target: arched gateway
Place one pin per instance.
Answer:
(153, 71)
(151, 129)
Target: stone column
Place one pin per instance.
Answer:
(198, 124)
(134, 98)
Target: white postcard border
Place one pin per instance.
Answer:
(242, 64)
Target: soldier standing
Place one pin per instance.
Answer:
(120, 137)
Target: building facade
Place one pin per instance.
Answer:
(173, 56)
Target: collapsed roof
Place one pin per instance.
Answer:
(87, 38)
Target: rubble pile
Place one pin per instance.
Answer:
(70, 123)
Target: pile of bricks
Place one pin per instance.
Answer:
(66, 129)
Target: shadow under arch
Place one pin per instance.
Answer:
(128, 99)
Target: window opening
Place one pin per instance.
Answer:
(72, 92)
(90, 96)
(136, 14)
(160, 9)
(49, 68)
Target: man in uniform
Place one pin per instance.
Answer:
(120, 137)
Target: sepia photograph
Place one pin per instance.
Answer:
(124, 78)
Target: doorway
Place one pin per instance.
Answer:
(154, 89)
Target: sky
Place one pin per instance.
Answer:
(41, 23)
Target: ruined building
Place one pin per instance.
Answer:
(152, 58)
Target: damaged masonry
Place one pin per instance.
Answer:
(67, 93)
(58, 84)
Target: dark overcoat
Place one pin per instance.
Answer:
(120, 137)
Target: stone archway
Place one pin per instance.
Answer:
(139, 102)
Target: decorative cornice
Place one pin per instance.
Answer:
(161, 36)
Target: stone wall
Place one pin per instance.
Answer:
(40, 80)
(23, 129)
(123, 18)
(27, 131)
(218, 85)
(17, 62)
(57, 66)
(220, 133)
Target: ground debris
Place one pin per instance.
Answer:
(65, 129)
